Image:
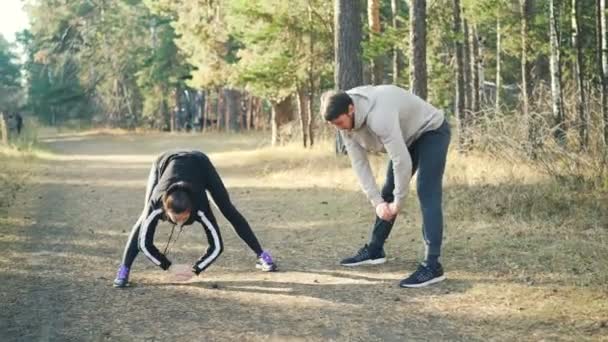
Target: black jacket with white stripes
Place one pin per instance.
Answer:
(178, 167)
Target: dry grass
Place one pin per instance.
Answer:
(526, 258)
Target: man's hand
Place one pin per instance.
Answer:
(181, 272)
(383, 211)
(393, 209)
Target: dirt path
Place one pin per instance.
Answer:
(63, 240)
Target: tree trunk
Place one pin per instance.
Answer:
(418, 73)
(526, 7)
(176, 108)
(397, 57)
(474, 78)
(311, 76)
(347, 50)
(579, 72)
(347, 43)
(481, 74)
(460, 88)
(604, 69)
(310, 123)
(3, 129)
(303, 114)
(204, 99)
(233, 109)
(373, 13)
(249, 112)
(556, 78)
(220, 109)
(467, 69)
(498, 95)
(282, 112)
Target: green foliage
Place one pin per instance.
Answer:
(10, 77)
(120, 62)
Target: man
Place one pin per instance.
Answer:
(415, 135)
(176, 192)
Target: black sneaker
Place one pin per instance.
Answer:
(364, 257)
(424, 275)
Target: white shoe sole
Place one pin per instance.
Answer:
(266, 269)
(427, 283)
(367, 262)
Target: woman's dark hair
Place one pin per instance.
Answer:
(334, 103)
(178, 198)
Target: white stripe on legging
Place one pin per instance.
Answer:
(216, 241)
(144, 232)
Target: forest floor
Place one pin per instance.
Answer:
(526, 259)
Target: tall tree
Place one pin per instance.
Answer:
(497, 102)
(579, 72)
(347, 43)
(418, 71)
(10, 76)
(526, 8)
(459, 106)
(348, 72)
(556, 76)
(603, 29)
(474, 69)
(468, 91)
(373, 15)
(397, 56)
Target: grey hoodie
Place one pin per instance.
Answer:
(387, 119)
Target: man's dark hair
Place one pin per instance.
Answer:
(334, 103)
(178, 198)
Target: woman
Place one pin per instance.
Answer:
(176, 193)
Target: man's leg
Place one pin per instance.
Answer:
(382, 228)
(373, 253)
(432, 150)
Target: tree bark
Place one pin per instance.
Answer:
(498, 95)
(233, 109)
(397, 56)
(526, 7)
(373, 14)
(347, 50)
(249, 112)
(220, 108)
(303, 115)
(467, 68)
(311, 76)
(474, 78)
(556, 78)
(176, 108)
(604, 69)
(460, 87)
(418, 72)
(282, 112)
(579, 72)
(3, 129)
(347, 43)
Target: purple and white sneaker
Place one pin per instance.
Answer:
(122, 277)
(265, 262)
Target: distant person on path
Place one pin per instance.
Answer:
(176, 193)
(416, 136)
(18, 122)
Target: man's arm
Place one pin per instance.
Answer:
(360, 164)
(391, 137)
